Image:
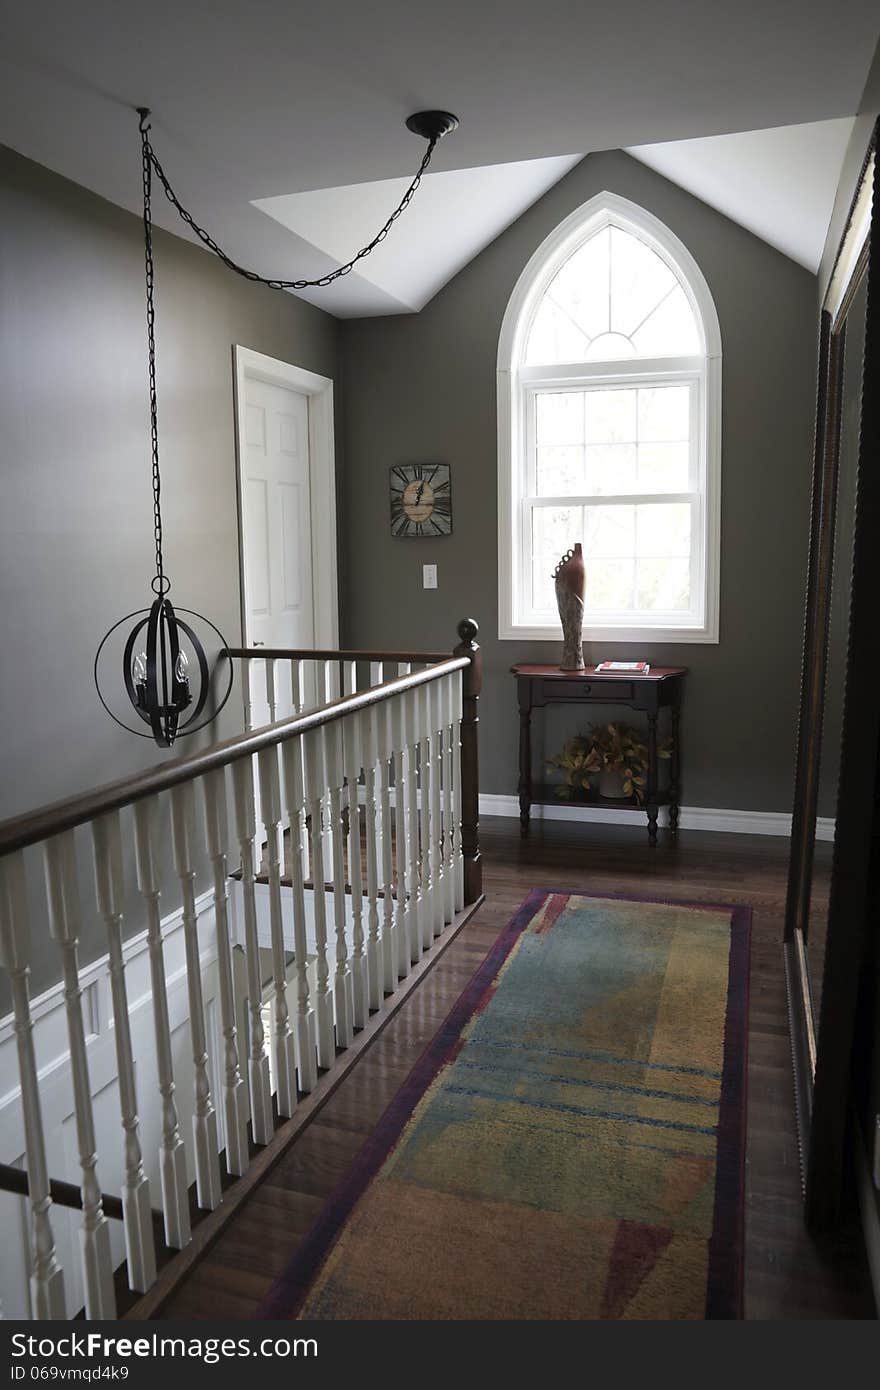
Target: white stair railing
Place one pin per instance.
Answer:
(168, 1084)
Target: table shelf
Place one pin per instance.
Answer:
(546, 796)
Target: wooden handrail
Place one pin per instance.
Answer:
(42, 824)
(63, 1194)
(303, 654)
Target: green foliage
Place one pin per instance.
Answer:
(605, 748)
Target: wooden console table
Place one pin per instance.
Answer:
(662, 688)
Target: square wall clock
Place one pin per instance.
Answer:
(421, 499)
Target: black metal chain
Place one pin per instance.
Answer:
(276, 284)
(160, 583)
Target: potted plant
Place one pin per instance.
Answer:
(615, 754)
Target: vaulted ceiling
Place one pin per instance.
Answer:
(258, 104)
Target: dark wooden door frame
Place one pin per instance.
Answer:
(825, 1067)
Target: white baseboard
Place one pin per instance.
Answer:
(690, 818)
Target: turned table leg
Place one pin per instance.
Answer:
(674, 771)
(651, 790)
(525, 767)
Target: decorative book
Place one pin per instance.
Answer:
(635, 668)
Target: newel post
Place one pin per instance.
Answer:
(472, 683)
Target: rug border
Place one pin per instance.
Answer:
(724, 1297)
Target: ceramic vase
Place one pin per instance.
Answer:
(571, 580)
(611, 784)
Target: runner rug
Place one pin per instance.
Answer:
(571, 1142)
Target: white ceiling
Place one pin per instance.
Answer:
(451, 218)
(780, 184)
(267, 99)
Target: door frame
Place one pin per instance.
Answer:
(248, 364)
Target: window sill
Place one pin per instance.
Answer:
(641, 635)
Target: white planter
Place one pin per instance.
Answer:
(611, 784)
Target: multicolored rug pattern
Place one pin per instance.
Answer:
(571, 1143)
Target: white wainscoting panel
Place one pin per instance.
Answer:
(56, 1095)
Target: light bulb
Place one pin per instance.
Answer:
(139, 669)
(181, 669)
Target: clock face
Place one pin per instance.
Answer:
(421, 499)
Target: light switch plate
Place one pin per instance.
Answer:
(429, 576)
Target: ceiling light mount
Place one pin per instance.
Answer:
(432, 125)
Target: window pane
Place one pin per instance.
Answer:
(560, 470)
(663, 468)
(638, 557)
(662, 529)
(612, 468)
(609, 531)
(559, 417)
(664, 413)
(554, 531)
(580, 288)
(639, 280)
(610, 586)
(664, 586)
(554, 338)
(543, 587)
(610, 417)
(670, 330)
(637, 440)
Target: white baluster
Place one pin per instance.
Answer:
(423, 710)
(63, 903)
(172, 1152)
(285, 1051)
(304, 1025)
(140, 1252)
(396, 715)
(343, 994)
(258, 1061)
(298, 684)
(448, 801)
(369, 742)
(331, 681)
(351, 727)
(271, 699)
(458, 856)
(234, 1088)
(349, 677)
(314, 795)
(435, 755)
(247, 677)
(411, 811)
(47, 1278)
(183, 832)
(376, 677)
(390, 908)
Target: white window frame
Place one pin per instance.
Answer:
(517, 384)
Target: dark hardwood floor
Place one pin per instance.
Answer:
(787, 1275)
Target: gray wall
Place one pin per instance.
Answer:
(76, 521)
(76, 517)
(422, 387)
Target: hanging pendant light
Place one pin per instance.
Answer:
(157, 669)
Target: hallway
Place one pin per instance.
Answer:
(786, 1276)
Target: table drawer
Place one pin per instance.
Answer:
(601, 691)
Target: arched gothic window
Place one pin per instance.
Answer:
(609, 400)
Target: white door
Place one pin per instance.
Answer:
(276, 533)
